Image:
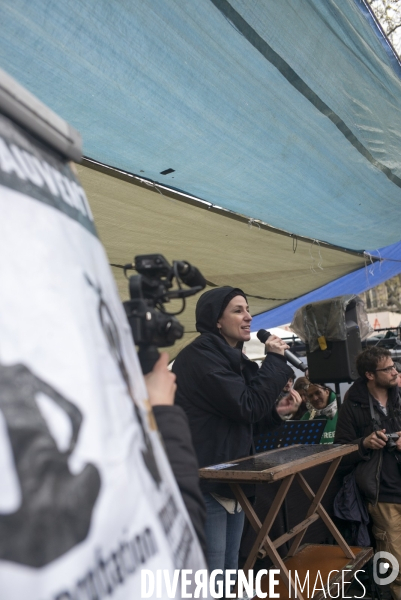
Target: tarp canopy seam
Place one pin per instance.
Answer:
(297, 82)
(172, 90)
(182, 196)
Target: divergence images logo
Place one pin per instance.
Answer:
(385, 563)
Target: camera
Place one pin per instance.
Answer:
(391, 440)
(151, 325)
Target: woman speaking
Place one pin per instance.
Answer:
(225, 395)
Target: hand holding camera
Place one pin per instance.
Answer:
(379, 439)
(393, 442)
(160, 383)
(376, 440)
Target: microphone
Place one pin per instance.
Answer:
(263, 335)
(190, 275)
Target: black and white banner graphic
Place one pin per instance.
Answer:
(87, 496)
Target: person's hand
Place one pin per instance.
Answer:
(276, 345)
(376, 440)
(289, 404)
(160, 383)
(398, 444)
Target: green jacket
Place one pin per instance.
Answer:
(330, 429)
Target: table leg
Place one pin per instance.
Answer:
(316, 507)
(326, 519)
(263, 539)
(246, 506)
(264, 530)
(315, 501)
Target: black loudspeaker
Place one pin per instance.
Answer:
(336, 364)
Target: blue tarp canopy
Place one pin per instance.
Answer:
(288, 112)
(357, 282)
(285, 114)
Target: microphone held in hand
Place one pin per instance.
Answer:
(263, 336)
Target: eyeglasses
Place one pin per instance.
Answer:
(387, 369)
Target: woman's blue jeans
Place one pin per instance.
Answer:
(223, 535)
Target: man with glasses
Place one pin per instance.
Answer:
(372, 411)
(398, 368)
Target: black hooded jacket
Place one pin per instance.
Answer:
(223, 393)
(380, 480)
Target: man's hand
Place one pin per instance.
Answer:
(376, 440)
(276, 345)
(160, 383)
(289, 404)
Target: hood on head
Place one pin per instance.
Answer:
(208, 308)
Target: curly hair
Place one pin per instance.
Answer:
(368, 360)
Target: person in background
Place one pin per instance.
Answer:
(224, 394)
(371, 411)
(322, 404)
(301, 386)
(174, 429)
(289, 385)
(398, 369)
(285, 391)
(289, 390)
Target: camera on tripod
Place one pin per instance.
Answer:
(152, 326)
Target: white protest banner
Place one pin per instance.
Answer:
(87, 498)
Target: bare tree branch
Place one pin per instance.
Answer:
(388, 14)
(390, 31)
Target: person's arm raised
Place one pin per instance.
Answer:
(289, 404)
(160, 383)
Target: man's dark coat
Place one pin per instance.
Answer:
(354, 425)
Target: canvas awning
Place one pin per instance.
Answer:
(272, 267)
(388, 265)
(287, 112)
(284, 114)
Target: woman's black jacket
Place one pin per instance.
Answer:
(225, 395)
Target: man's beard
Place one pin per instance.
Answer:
(386, 386)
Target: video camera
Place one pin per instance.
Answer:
(152, 326)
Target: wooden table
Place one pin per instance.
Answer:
(287, 464)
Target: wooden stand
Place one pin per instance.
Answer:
(286, 464)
